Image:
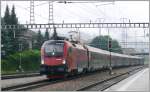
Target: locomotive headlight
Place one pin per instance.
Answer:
(64, 62)
(53, 53)
(42, 61)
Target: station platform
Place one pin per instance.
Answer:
(136, 82)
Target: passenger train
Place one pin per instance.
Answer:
(62, 57)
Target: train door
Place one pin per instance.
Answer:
(88, 62)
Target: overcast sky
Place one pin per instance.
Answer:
(136, 11)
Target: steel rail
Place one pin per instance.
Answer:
(14, 76)
(40, 83)
(104, 84)
(15, 87)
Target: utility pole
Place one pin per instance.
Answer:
(20, 63)
(110, 56)
(144, 44)
(109, 49)
(135, 40)
(100, 20)
(50, 17)
(14, 33)
(1, 31)
(149, 36)
(124, 33)
(0, 22)
(108, 40)
(79, 35)
(50, 20)
(32, 17)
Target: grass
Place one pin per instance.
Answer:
(7, 72)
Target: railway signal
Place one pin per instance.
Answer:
(110, 46)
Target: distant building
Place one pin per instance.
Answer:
(29, 36)
(129, 51)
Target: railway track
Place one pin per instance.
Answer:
(36, 84)
(32, 85)
(104, 84)
(18, 87)
(13, 76)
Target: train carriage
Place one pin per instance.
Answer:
(80, 56)
(98, 58)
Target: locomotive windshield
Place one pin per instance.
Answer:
(54, 49)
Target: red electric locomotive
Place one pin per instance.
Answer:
(60, 57)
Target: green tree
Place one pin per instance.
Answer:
(11, 38)
(54, 36)
(14, 41)
(46, 37)
(13, 18)
(116, 47)
(102, 43)
(14, 34)
(6, 38)
(40, 40)
(3, 32)
(7, 16)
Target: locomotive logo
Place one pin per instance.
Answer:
(53, 53)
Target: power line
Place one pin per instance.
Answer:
(65, 2)
(101, 11)
(80, 0)
(29, 12)
(39, 4)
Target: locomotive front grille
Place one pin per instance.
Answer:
(60, 69)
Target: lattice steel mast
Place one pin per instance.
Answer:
(50, 17)
(32, 17)
(50, 20)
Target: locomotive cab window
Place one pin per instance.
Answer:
(54, 49)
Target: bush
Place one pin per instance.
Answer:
(30, 61)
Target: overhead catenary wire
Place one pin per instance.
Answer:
(29, 11)
(39, 4)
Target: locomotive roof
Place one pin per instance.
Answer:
(79, 46)
(93, 49)
(52, 41)
(108, 53)
(104, 51)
